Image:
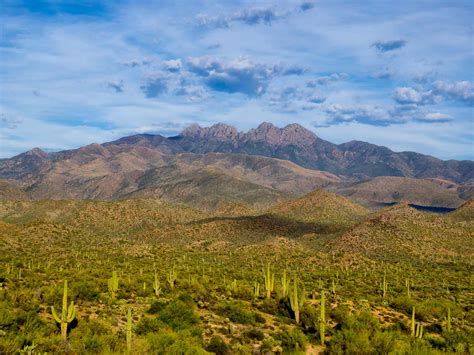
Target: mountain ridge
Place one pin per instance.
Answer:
(276, 162)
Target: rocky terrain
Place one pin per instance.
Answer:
(206, 167)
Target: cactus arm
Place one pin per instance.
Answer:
(71, 314)
(55, 315)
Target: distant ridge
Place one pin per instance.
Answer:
(359, 160)
(260, 168)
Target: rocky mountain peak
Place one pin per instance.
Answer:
(193, 130)
(36, 152)
(219, 131)
(95, 149)
(293, 134)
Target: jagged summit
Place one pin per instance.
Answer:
(35, 152)
(218, 131)
(266, 132)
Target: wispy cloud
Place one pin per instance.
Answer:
(155, 85)
(326, 79)
(389, 45)
(116, 85)
(381, 115)
(251, 16)
(9, 122)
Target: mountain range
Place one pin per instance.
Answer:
(216, 166)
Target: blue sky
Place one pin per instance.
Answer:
(398, 74)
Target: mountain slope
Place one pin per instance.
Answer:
(271, 163)
(10, 190)
(390, 189)
(204, 180)
(330, 212)
(303, 147)
(401, 232)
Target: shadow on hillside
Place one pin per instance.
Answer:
(274, 225)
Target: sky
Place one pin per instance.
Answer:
(393, 73)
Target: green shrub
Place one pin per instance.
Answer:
(384, 342)
(92, 344)
(217, 346)
(169, 342)
(348, 341)
(85, 290)
(236, 312)
(254, 334)
(292, 340)
(157, 307)
(148, 325)
(179, 315)
(309, 318)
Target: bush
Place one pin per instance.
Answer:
(309, 318)
(85, 290)
(292, 340)
(217, 346)
(179, 315)
(156, 307)
(236, 313)
(254, 334)
(347, 341)
(169, 342)
(148, 325)
(384, 342)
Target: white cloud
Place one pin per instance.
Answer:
(460, 90)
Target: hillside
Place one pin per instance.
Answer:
(10, 190)
(320, 206)
(465, 212)
(188, 276)
(114, 172)
(390, 189)
(401, 232)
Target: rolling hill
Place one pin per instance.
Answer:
(401, 232)
(390, 189)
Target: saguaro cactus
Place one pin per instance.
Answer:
(67, 313)
(172, 276)
(156, 286)
(113, 284)
(296, 300)
(448, 320)
(419, 331)
(129, 331)
(333, 289)
(233, 286)
(322, 319)
(256, 289)
(384, 286)
(413, 322)
(269, 278)
(407, 285)
(285, 284)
